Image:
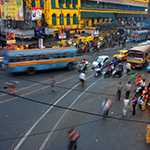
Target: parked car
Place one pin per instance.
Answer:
(103, 59)
(122, 55)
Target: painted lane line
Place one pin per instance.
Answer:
(39, 84)
(55, 126)
(1, 102)
(36, 123)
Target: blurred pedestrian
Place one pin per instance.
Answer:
(128, 66)
(106, 105)
(128, 88)
(12, 87)
(134, 102)
(82, 77)
(125, 105)
(53, 83)
(119, 88)
(140, 101)
(148, 135)
(73, 135)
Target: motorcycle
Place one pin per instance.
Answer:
(98, 71)
(107, 72)
(116, 73)
(81, 68)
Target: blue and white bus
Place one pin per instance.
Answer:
(32, 60)
(137, 36)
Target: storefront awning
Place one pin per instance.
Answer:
(121, 2)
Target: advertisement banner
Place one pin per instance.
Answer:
(62, 34)
(15, 9)
(10, 37)
(69, 27)
(36, 13)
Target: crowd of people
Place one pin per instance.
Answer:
(96, 44)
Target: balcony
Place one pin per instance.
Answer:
(112, 7)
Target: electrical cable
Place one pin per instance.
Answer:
(71, 109)
(75, 110)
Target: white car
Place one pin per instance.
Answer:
(103, 59)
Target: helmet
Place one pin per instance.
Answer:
(144, 80)
(119, 64)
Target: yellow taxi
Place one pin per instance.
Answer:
(122, 54)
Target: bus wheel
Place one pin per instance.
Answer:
(31, 71)
(70, 67)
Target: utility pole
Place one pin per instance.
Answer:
(61, 16)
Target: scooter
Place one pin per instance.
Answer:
(98, 71)
(116, 73)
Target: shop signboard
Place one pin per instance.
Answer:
(15, 9)
(36, 13)
(87, 39)
(62, 34)
(10, 38)
(49, 31)
(95, 33)
(69, 27)
(88, 31)
(138, 24)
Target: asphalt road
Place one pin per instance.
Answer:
(32, 122)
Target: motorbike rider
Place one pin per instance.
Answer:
(82, 65)
(120, 68)
(114, 61)
(99, 65)
(109, 67)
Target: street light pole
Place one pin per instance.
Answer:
(61, 16)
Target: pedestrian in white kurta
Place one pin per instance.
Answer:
(125, 105)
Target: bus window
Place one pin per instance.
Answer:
(64, 55)
(39, 57)
(58, 55)
(71, 54)
(45, 56)
(31, 57)
(18, 58)
(139, 55)
(131, 54)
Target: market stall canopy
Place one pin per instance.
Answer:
(121, 2)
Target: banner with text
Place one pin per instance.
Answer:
(15, 9)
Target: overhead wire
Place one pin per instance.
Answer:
(70, 109)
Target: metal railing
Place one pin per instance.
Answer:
(112, 7)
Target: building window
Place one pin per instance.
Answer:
(54, 20)
(42, 4)
(97, 20)
(61, 19)
(33, 3)
(92, 21)
(68, 19)
(75, 19)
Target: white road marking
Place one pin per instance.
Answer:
(1, 102)
(55, 126)
(36, 123)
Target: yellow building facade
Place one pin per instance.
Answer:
(60, 14)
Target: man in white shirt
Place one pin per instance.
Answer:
(128, 66)
(82, 77)
(128, 89)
